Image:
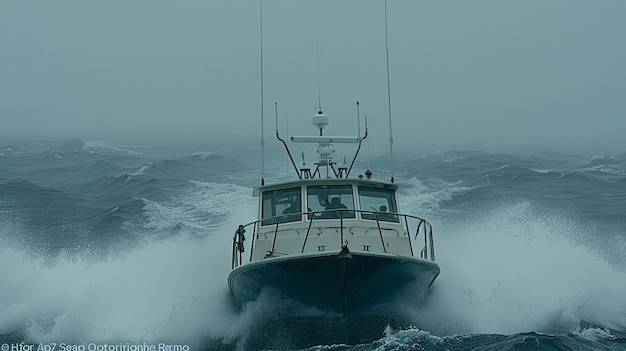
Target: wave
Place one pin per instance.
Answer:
(105, 166)
(200, 167)
(112, 190)
(416, 339)
(105, 148)
(10, 150)
(159, 293)
(473, 163)
(121, 213)
(513, 271)
(202, 206)
(602, 160)
(43, 221)
(29, 198)
(425, 198)
(611, 165)
(170, 290)
(203, 155)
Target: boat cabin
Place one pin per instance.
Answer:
(316, 215)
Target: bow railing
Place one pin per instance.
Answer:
(371, 230)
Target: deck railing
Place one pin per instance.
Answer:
(381, 221)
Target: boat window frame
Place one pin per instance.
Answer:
(346, 196)
(275, 197)
(369, 192)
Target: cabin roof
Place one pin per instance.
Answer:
(325, 181)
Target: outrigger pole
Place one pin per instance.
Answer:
(358, 118)
(284, 143)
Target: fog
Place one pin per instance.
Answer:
(484, 74)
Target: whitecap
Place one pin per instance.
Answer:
(593, 334)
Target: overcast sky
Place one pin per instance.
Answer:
(484, 74)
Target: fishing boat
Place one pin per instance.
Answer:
(335, 244)
(331, 241)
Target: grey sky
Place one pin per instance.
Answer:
(546, 74)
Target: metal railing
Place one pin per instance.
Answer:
(383, 221)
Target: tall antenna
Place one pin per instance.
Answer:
(389, 96)
(317, 54)
(262, 107)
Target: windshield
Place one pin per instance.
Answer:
(382, 203)
(282, 203)
(330, 197)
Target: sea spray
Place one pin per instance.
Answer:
(512, 271)
(171, 289)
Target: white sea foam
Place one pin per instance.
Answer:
(511, 271)
(601, 164)
(609, 169)
(102, 146)
(183, 210)
(502, 167)
(593, 334)
(171, 291)
(141, 171)
(203, 155)
(544, 171)
(422, 199)
(406, 339)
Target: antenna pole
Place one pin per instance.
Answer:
(389, 96)
(369, 163)
(358, 119)
(317, 54)
(262, 107)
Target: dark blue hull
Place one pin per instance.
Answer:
(350, 285)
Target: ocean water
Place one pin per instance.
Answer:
(127, 247)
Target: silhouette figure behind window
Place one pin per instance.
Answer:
(335, 204)
(293, 208)
(386, 216)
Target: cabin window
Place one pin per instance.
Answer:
(381, 202)
(281, 206)
(330, 201)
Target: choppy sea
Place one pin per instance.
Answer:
(126, 247)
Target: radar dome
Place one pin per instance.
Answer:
(320, 120)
